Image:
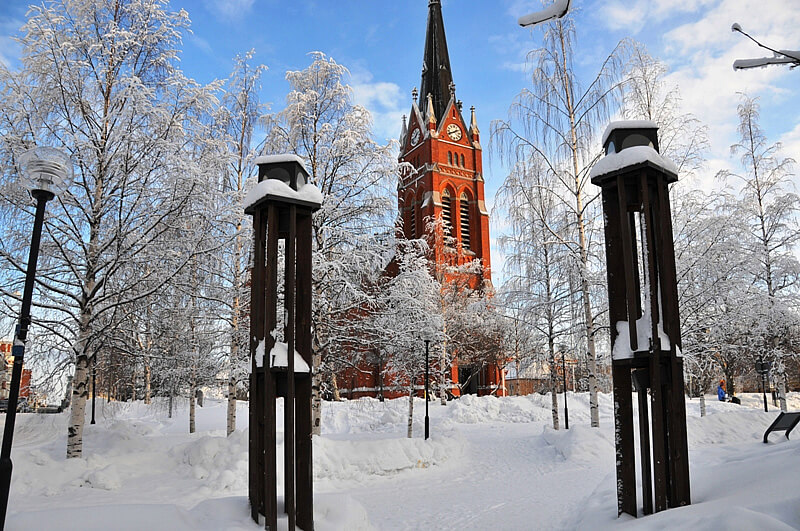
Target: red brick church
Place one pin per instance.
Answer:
(441, 178)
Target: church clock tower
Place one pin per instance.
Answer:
(442, 168)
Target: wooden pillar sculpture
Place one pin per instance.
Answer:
(643, 308)
(281, 204)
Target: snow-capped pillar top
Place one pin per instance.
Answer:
(629, 133)
(283, 178)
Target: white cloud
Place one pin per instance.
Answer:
(701, 54)
(10, 50)
(383, 100)
(632, 15)
(230, 10)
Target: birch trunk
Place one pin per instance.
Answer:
(192, 407)
(80, 386)
(80, 393)
(410, 411)
(335, 386)
(147, 381)
(133, 384)
(782, 391)
(702, 404)
(316, 395)
(554, 392)
(231, 424)
(584, 247)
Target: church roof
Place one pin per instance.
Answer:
(436, 73)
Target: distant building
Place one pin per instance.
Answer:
(5, 373)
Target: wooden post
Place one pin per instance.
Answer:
(281, 214)
(642, 187)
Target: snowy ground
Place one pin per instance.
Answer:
(490, 464)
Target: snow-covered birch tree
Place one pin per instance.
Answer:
(769, 206)
(557, 120)
(322, 125)
(99, 78)
(238, 118)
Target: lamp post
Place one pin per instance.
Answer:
(762, 368)
(45, 171)
(427, 379)
(94, 386)
(564, 371)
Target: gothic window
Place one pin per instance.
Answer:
(447, 216)
(412, 216)
(462, 160)
(450, 158)
(413, 233)
(463, 220)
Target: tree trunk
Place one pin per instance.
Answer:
(410, 411)
(133, 384)
(782, 391)
(702, 404)
(169, 415)
(77, 418)
(554, 392)
(231, 424)
(316, 394)
(335, 387)
(192, 407)
(147, 382)
(584, 246)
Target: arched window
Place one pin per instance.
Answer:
(450, 158)
(447, 215)
(412, 216)
(462, 160)
(463, 220)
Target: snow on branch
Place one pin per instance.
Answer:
(557, 10)
(780, 57)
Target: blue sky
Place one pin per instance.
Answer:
(381, 42)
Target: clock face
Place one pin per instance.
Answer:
(415, 134)
(454, 132)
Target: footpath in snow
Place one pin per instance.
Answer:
(491, 463)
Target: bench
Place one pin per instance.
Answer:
(785, 422)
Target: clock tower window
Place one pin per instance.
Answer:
(464, 220)
(447, 216)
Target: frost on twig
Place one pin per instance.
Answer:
(780, 57)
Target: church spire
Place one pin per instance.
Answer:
(436, 74)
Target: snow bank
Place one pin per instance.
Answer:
(471, 409)
(490, 463)
(361, 460)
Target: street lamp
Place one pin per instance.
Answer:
(94, 385)
(762, 368)
(427, 379)
(45, 172)
(564, 371)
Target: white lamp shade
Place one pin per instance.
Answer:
(46, 168)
